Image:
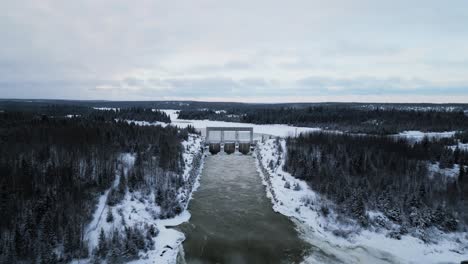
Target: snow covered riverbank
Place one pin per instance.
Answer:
(294, 198)
(140, 210)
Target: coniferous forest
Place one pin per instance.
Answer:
(54, 168)
(384, 174)
(371, 120)
(57, 160)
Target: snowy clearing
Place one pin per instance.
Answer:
(363, 246)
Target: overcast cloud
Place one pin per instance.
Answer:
(245, 50)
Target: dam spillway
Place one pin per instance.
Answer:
(229, 139)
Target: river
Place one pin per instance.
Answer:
(233, 220)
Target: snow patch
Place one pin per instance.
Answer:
(419, 136)
(461, 146)
(435, 169)
(146, 123)
(106, 108)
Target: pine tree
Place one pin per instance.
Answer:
(102, 245)
(47, 255)
(115, 252)
(461, 174)
(110, 216)
(122, 188)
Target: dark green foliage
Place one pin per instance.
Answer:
(47, 110)
(103, 248)
(461, 175)
(121, 247)
(134, 113)
(361, 173)
(52, 170)
(110, 216)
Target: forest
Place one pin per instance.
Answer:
(54, 168)
(377, 173)
(72, 110)
(349, 118)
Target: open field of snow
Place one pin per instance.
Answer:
(303, 206)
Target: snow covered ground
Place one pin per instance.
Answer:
(146, 123)
(461, 146)
(106, 108)
(418, 135)
(137, 209)
(303, 205)
(446, 172)
(274, 130)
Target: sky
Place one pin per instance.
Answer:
(243, 50)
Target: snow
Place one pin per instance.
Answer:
(72, 116)
(437, 108)
(418, 135)
(137, 209)
(146, 123)
(434, 169)
(106, 108)
(461, 146)
(364, 246)
(273, 130)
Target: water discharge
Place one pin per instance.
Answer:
(233, 220)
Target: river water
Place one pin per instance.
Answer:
(233, 220)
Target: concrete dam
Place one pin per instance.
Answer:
(229, 139)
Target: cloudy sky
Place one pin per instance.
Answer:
(243, 50)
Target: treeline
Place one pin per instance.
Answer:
(209, 114)
(346, 118)
(365, 173)
(139, 114)
(61, 110)
(228, 106)
(52, 170)
(121, 247)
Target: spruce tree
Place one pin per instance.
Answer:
(110, 216)
(461, 174)
(102, 245)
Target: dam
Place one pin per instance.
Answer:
(229, 139)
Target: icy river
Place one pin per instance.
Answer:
(233, 220)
